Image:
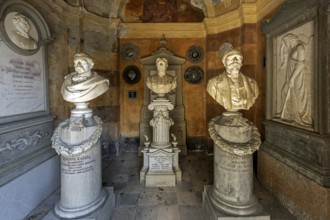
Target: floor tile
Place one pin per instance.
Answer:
(120, 178)
(124, 213)
(170, 212)
(185, 186)
(127, 199)
(133, 187)
(157, 198)
(189, 198)
(191, 213)
(146, 213)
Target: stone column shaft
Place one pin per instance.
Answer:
(235, 185)
(81, 179)
(161, 123)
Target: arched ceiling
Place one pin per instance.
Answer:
(136, 10)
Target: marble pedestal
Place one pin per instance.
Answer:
(160, 167)
(78, 142)
(161, 123)
(103, 212)
(231, 196)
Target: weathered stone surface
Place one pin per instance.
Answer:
(281, 180)
(160, 167)
(232, 192)
(235, 148)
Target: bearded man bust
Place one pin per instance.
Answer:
(231, 89)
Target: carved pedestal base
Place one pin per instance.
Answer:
(213, 213)
(103, 212)
(160, 167)
(232, 195)
(78, 142)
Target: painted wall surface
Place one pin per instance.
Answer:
(75, 30)
(193, 94)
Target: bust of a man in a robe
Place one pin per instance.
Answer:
(84, 84)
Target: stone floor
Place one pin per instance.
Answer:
(183, 202)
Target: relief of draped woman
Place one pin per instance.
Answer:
(296, 99)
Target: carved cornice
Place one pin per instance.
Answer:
(249, 12)
(223, 22)
(264, 7)
(156, 30)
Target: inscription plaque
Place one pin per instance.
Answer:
(235, 164)
(160, 162)
(22, 83)
(77, 165)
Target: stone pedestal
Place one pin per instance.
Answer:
(175, 65)
(231, 196)
(160, 166)
(161, 123)
(78, 142)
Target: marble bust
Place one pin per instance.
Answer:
(161, 83)
(20, 36)
(84, 84)
(234, 91)
(231, 89)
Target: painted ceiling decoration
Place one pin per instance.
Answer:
(158, 11)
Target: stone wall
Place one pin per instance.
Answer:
(75, 30)
(303, 197)
(193, 94)
(293, 162)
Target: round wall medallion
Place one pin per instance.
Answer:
(193, 74)
(130, 52)
(131, 74)
(195, 53)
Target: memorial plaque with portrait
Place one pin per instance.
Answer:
(23, 77)
(25, 123)
(21, 31)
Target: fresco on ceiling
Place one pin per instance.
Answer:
(160, 11)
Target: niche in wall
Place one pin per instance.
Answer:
(177, 114)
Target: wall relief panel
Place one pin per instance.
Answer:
(294, 76)
(297, 97)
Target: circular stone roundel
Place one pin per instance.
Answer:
(131, 74)
(130, 52)
(193, 74)
(195, 53)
